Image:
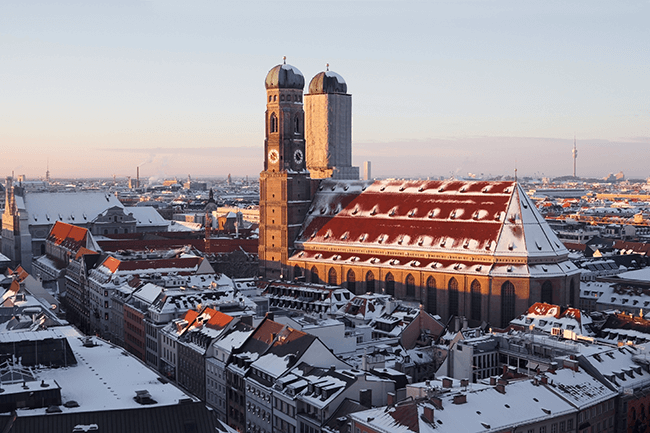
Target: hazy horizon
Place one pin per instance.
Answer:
(438, 88)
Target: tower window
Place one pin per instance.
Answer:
(296, 126)
(281, 97)
(270, 98)
(273, 123)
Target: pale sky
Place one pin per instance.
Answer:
(438, 88)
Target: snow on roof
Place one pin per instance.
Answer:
(642, 274)
(146, 216)
(148, 293)
(332, 74)
(579, 388)
(68, 207)
(485, 410)
(105, 377)
(471, 218)
(618, 366)
(545, 317)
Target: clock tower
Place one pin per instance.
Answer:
(285, 186)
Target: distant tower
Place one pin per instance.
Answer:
(328, 128)
(575, 155)
(47, 172)
(367, 175)
(285, 186)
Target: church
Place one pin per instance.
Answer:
(478, 249)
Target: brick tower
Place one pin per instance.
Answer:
(285, 190)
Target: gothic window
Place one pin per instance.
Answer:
(270, 98)
(475, 290)
(331, 277)
(352, 285)
(432, 298)
(297, 272)
(410, 286)
(507, 303)
(314, 275)
(42, 249)
(572, 295)
(273, 127)
(296, 125)
(370, 282)
(453, 297)
(547, 292)
(390, 284)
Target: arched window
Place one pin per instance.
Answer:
(507, 303)
(297, 272)
(314, 275)
(453, 297)
(390, 284)
(115, 231)
(42, 249)
(370, 282)
(547, 292)
(105, 231)
(296, 125)
(475, 289)
(572, 294)
(352, 282)
(273, 123)
(331, 277)
(432, 298)
(410, 286)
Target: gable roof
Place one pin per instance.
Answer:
(473, 218)
(69, 207)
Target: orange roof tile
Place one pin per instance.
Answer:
(219, 320)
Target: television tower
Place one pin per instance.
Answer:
(575, 156)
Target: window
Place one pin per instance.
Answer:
(352, 285)
(410, 286)
(453, 297)
(370, 282)
(547, 292)
(507, 303)
(432, 301)
(273, 123)
(331, 277)
(542, 429)
(314, 275)
(475, 289)
(390, 284)
(296, 125)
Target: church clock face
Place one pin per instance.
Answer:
(298, 156)
(274, 156)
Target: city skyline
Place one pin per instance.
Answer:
(95, 90)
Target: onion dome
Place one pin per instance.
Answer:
(327, 82)
(284, 77)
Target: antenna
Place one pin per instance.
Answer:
(284, 60)
(515, 170)
(328, 67)
(575, 155)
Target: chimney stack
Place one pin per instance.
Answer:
(428, 413)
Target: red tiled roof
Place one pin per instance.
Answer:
(187, 263)
(68, 235)
(219, 320)
(20, 273)
(477, 218)
(83, 251)
(266, 331)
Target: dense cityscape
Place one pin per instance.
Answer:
(183, 250)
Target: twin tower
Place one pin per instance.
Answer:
(302, 145)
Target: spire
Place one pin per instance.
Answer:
(284, 60)
(327, 67)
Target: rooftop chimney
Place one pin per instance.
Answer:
(390, 399)
(446, 382)
(428, 413)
